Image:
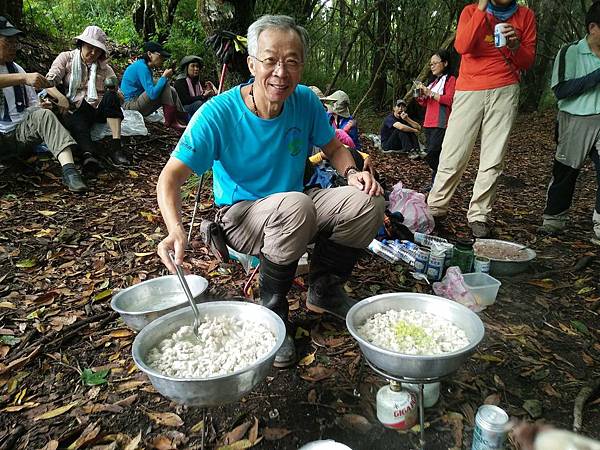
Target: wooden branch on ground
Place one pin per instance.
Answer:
(67, 332)
(580, 400)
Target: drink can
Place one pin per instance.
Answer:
(435, 265)
(499, 38)
(481, 264)
(421, 259)
(490, 428)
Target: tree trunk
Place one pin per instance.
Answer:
(342, 33)
(382, 38)
(535, 80)
(12, 10)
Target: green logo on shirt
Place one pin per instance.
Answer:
(293, 139)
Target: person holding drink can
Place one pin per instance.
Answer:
(486, 100)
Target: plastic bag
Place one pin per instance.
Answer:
(132, 125)
(413, 207)
(454, 288)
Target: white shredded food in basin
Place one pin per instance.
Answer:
(413, 333)
(226, 345)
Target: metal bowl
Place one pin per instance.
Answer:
(502, 267)
(416, 366)
(142, 303)
(216, 390)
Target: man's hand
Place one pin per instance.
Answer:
(403, 115)
(483, 4)
(37, 81)
(175, 242)
(365, 182)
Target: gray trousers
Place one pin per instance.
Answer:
(280, 226)
(146, 106)
(39, 125)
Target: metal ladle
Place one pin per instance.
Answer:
(188, 294)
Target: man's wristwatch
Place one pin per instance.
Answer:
(349, 171)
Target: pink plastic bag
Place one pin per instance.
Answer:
(413, 207)
(453, 287)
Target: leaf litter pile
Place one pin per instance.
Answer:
(67, 379)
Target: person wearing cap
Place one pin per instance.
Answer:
(340, 118)
(192, 92)
(80, 79)
(399, 132)
(486, 100)
(24, 120)
(144, 95)
(256, 137)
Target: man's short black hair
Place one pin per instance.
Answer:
(592, 16)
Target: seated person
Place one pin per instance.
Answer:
(189, 87)
(340, 118)
(257, 138)
(340, 134)
(24, 121)
(83, 99)
(399, 132)
(143, 95)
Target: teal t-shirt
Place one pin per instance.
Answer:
(579, 62)
(251, 157)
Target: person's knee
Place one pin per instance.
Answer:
(297, 208)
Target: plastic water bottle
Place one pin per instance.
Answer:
(427, 239)
(405, 254)
(383, 251)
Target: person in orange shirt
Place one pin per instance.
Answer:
(486, 100)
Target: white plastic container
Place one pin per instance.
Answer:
(484, 287)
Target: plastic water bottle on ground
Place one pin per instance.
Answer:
(427, 239)
(383, 251)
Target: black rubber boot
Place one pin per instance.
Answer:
(117, 156)
(72, 179)
(330, 267)
(275, 283)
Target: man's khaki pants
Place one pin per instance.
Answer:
(280, 226)
(493, 111)
(39, 125)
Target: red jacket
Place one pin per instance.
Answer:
(483, 66)
(437, 113)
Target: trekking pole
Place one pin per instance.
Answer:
(223, 70)
(196, 201)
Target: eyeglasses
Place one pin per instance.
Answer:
(291, 64)
(434, 63)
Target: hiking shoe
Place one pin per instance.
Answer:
(213, 237)
(423, 153)
(551, 229)
(286, 355)
(72, 179)
(390, 150)
(119, 158)
(413, 154)
(90, 165)
(479, 229)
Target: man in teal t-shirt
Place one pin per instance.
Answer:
(576, 84)
(257, 137)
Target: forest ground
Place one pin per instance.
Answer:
(62, 256)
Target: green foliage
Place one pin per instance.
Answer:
(91, 378)
(65, 19)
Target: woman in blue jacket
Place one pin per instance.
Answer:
(143, 94)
